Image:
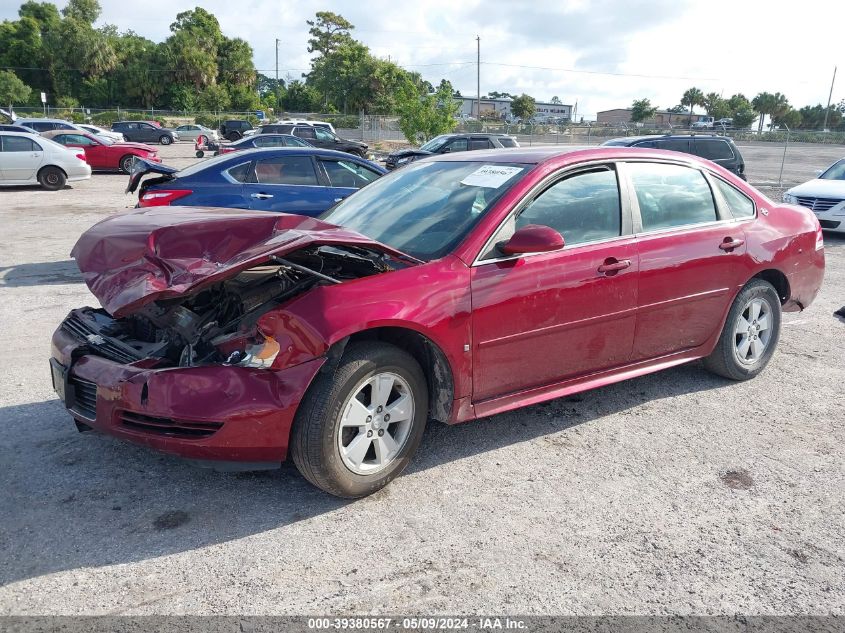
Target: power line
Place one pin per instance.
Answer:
(596, 72)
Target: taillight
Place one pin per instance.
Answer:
(226, 150)
(81, 156)
(162, 197)
(819, 239)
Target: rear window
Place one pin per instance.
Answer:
(713, 149)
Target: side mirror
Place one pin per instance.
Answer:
(446, 150)
(534, 238)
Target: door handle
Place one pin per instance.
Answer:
(611, 265)
(261, 196)
(728, 244)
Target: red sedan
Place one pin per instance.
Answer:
(461, 286)
(102, 153)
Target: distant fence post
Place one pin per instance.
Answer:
(783, 160)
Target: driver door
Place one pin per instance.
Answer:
(538, 319)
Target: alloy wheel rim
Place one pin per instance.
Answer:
(376, 423)
(753, 331)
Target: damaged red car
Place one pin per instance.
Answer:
(461, 286)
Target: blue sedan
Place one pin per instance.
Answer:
(305, 181)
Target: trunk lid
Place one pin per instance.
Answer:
(132, 259)
(142, 167)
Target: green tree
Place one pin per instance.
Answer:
(300, 97)
(642, 110)
(523, 106)
(692, 97)
(424, 116)
(214, 98)
(329, 31)
(743, 117)
(86, 11)
(12, 89)
(192, 48)
(789, 117)
(234, 60)
(243, 98)
(772, 104)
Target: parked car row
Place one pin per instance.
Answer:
(239, 338)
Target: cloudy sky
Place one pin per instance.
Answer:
(600, 53)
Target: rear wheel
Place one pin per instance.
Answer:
(358, 427)
(164, 139)
(126, 163)
(234, 136)
(52, 178)
(750, 334)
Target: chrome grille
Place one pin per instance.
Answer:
(85, 397)
(818, 205)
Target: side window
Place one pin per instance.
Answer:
(73, 139)
(741, 206)
(713, 149)
(292, 141)
(346, 173)
(324, 135)
(41, 126)
(305, 132)
(457, 145)
(674, 144)
(268, 142)
(286, 170)
(64, 126)
(648, 144)
(479, 143)
(583, 207)
(133, 126)
(507, 141)
(671, 195)
(18, 144)
(240, 173)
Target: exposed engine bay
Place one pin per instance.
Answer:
(217, 324)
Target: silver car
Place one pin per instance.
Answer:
(30, 159)
(193, 132)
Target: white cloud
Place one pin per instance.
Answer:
(723, 46)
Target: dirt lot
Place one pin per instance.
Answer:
(676, 493)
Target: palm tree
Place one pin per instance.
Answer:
(763, 104)
(692, 98)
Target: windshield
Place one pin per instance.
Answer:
(427, 208)
(835, 171)
(434, 144)
(104, 140)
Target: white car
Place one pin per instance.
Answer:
(117, 137)
(322, 124)
(824, 196)
(29, 159)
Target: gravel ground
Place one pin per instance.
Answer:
(675, 493)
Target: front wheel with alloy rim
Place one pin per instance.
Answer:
(750, 334)
(358, 426)
(164, 139)
(126, 163)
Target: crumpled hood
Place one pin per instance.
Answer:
(408, 152)
(129, 145)
(132, 259)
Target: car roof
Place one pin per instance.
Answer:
(310, 151)
(577, 153)
(650, 137)
(29, 134)
(43, 120)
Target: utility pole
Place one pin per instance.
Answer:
(277, 63)
(829, 96)
(478, 77)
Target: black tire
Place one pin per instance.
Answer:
(725, 359)
(52, 178)
(234, 136)
(314, 437)
(165, 139)
(126, 163)
(200, 153)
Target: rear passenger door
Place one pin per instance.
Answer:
(288, 184)
(20, 158)
(692, 258)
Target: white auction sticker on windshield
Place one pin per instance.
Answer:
(492, 176)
